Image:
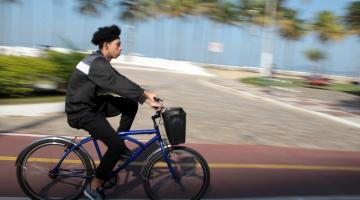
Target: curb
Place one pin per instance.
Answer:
(32, 109)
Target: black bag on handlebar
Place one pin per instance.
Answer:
(175, 125)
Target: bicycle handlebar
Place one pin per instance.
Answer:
(157, 113)
(158, 99)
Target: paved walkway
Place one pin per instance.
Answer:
(238, 114)
(337, 106)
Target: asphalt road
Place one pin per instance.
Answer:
(237, 171)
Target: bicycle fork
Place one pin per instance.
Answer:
(166, 156)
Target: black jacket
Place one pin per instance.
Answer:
(93, 73)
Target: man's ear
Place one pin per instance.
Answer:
(105, 46)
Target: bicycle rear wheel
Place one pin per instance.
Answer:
(37, 178)
(191, 171)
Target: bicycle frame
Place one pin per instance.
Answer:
(125, 135)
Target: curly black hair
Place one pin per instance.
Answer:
(106, 34)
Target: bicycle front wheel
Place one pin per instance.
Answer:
(37, 178)
(192, 175)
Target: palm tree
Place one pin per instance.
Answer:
(178, 10)
(203, 9)
(315, 55)
(327, 26)
(134, 12)
(89, 8)
(224, 13)
(263, 13)
(253, 12)
(290, 28)
(352, 18)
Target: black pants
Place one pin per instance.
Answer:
(99, 128)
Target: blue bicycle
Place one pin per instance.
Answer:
(59, 168)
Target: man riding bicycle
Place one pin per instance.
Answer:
(88, 110)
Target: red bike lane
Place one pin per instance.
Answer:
(236, 171)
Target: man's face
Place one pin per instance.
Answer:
(114, 48)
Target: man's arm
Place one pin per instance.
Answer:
(103, 75)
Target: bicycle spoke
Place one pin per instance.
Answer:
(39, 179)
(191, 175)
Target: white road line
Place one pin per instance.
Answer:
(38, 135)
(279, 103)
(70, 137)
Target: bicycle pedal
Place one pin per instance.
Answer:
(127, 155)
(124, 157)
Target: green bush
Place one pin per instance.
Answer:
(278, 82)
(291, 82)
(64, 63)
(18, 73)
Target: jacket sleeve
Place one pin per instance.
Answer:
(106, 77)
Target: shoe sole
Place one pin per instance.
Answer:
(88, 195)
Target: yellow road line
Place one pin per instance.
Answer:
(218, 165)
(54, 160)
(7, 158)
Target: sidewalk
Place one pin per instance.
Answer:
(252, 115)
(337, 106)
(333, 105)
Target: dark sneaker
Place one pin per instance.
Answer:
(91, 194)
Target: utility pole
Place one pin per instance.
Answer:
(267, 48)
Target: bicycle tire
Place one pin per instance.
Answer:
(56, 187)
(191, 168)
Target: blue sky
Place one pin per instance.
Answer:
(35, 22)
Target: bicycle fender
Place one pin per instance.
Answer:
(54, 138)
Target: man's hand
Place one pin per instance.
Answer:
(156, 105)
(151, 101)
(150, 95)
